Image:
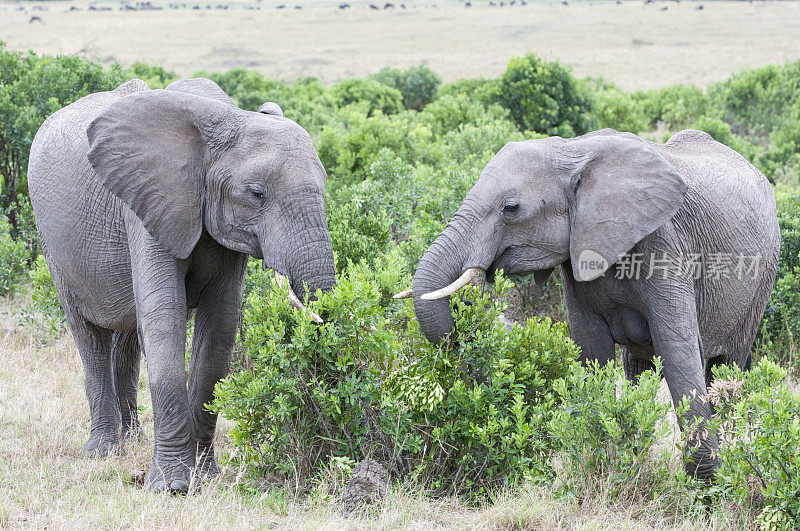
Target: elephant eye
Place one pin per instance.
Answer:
(510, 209)
(258, 194)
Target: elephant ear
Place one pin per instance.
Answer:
(271, 108)
(150, 150)
(201, 86)
(623, 190)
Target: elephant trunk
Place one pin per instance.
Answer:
(441, 265)
(310, 263)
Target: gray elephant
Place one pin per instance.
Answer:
(147, 204)
(667, 250)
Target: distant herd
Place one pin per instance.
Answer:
(149, 6)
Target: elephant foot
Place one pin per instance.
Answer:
(133, 433)
(207, 467)
(173, 478)
(103, 444)
(702, 468)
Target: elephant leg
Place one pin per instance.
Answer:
(215, 325)
(636, 359)
(94, 345)
(160, 293)
(592, 335)
(127, 355)
(675, 333)
(586, 329)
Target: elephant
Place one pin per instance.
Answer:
(600, 204)
(148, 204)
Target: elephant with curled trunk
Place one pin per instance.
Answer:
(667, 250)
(148, 204)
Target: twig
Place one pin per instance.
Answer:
(756, 470)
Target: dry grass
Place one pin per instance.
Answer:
(46, 482)
(634, 45)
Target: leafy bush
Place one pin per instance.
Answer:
(307, 102)
(26, 227)
(44, 310)
(477, 89)
(449, 113)
(607, 426)
(418, 84)
(13, 258)
(759, 424)
(243, 85)
(755, 101)
(314, 391)
(348, 150)
(543, 97)
(474, 145)
(613, 107)
(677, 106)
(358, 232)
(780, 326)
(368, 96)
(467, 416)
(156, 77)
(781, 162)
(32, 87)
(486, 396)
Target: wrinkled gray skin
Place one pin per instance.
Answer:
(148, 204)
(541, 203)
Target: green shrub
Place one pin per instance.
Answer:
(32, 87)
(239, 82)
(780, 326)
(781, 161)
(418, 84)
(607, 426)
(613, 107)
(477, 89)
(359, 232)
(473, 145)
(543, 97)
(307, 102)
(677, 106)
(415, 201)
(156, 77)
(486, 396)
(449, 113)
(468, 416)
(13, 259)
(392, 191)
(759, 425)
(314, 391)
(755, 101)
(26, 227)
(348, 150)
(368, 96)
(44, 310)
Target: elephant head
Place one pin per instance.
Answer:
(541, 203)
(184, 163)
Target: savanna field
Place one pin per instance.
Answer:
(496, 427)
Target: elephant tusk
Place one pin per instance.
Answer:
(446, 291)
(403, 295)
(296, 302)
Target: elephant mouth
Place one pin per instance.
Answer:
(512, 265)
(491, 271)
(502, 262)
(540, 276)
